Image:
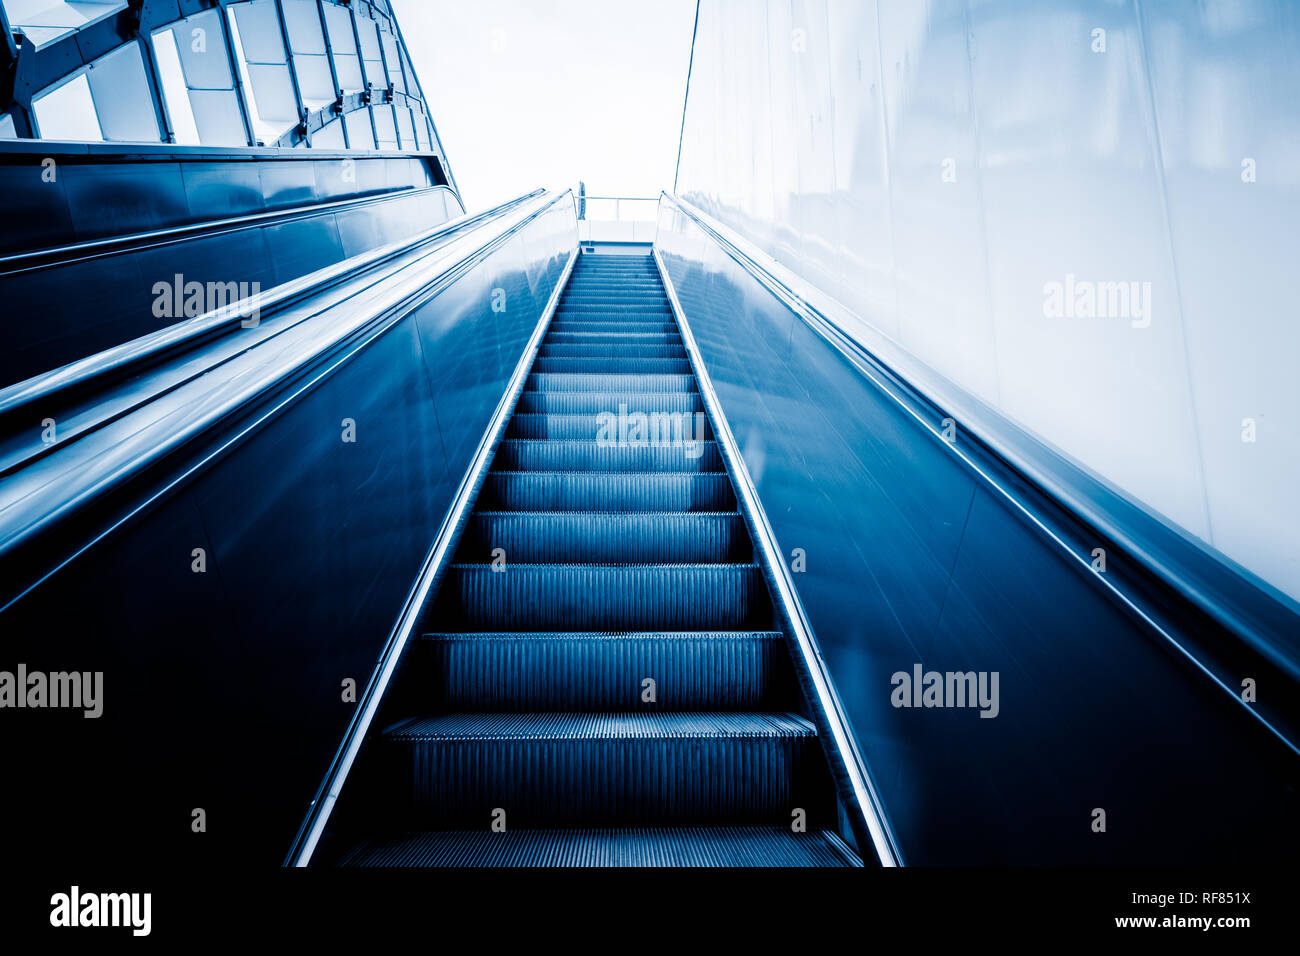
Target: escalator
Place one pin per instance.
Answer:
(600, 679)
(522, 583)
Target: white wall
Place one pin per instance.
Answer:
(935, 164)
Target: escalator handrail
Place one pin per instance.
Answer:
(439, 556)
(52, 256)
(56, 496)
(871, 823)
(149, 349)
(1237, 601)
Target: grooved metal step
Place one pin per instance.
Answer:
(561, 537)
(619, 297)
(632, 350)
(610, 382)
(613, 363)
(578, 325)
(599, 663)
(644, 597)
(568, 454)
(557, 769)
(614, 315)
(593, 403)
(648, 277)
(607, 491)
(645, 268)
(628, 286)
(623, 846)
(597, 671)
(620, 419)
(613, 338)
(606, 305)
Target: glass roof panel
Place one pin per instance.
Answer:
(212, 78)
(68, 112)
(123, 100)
(360, 133)
(302, 18)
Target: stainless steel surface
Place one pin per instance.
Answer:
(870, 821)
(42, 489)
(1069, 505)
(228, 689)
(150, 348)
(317, 819)
(120, 281)
(909, 551)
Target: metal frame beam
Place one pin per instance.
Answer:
(301, 128)
(26, 71)
(334, 72)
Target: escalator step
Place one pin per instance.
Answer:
(566, 537)
(639, 270)
(610, 314)
(617, 306)
(619, 296)
(607, 491)
(615, 326)
(556, 769)
(624, 846)
(613, 382)
(612, 338)
(630, 350)
(605, 551)
(622, 264)
(612, 363)
(631, 281)
(519, 454)
(593, 403)
(630, 287)
(622, 304)
(551, 671)
(643, 597)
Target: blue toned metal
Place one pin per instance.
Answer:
(915, 552)
(591, 671)
(124, 279)
(207, 379)
(599, 650)
(565, 769)
(694, 846)
(1219, 617)
(243, 555)
(611, 491)
(322, 807)
(62, 194)
(63, 392)
(867, 816)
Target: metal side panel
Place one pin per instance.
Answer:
(908, 560)
(237, 592)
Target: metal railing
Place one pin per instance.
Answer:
(648, 204)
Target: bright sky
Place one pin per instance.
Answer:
(548, 92)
